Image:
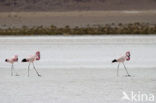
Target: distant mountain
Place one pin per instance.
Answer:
(70, 5)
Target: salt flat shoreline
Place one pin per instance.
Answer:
(75, 18)
(77, 69)
(74, 85)
(111, 39)
(80, 51)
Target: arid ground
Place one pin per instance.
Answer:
(75, 18)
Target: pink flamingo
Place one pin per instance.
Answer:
(12, 61)
(31, 59)
(122, 59)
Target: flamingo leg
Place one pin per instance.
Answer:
(36, 70)
(118, 69)
(12, 70)
(28, 69)
(126, 69)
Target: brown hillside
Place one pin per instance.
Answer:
(70, 5)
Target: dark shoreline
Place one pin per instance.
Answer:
(108, 29)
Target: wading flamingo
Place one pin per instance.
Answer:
(31, 59)
(12, 61)
(122, 59)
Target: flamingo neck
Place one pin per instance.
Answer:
(128, 58)
(38, 57)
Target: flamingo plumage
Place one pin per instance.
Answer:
(122, 59)
(31, 60)
(12, 61)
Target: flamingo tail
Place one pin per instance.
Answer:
(24, 60)
(113, 61)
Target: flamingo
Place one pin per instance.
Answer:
(122, 59)
(12, 61)
(31, 60)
